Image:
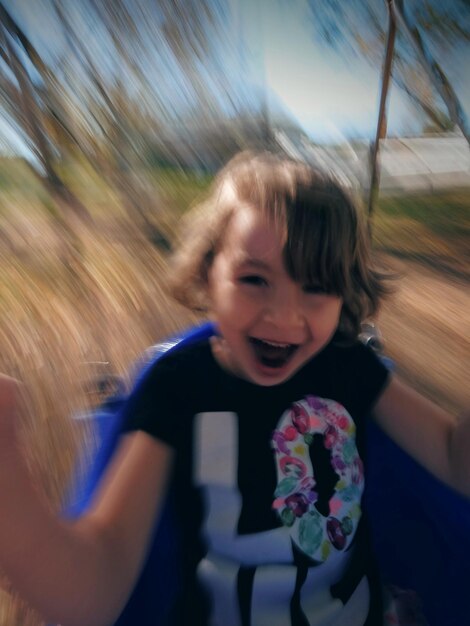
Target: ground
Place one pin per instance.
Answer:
(426, 327)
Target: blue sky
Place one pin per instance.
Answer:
(331, 97)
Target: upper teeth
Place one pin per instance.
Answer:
(275, 344)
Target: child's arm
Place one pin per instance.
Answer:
(432, 436)
(82, 572)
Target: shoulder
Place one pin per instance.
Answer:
(178, 362)
(350, 355)
(165, 385)
(358, 374)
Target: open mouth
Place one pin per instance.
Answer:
(271, 353)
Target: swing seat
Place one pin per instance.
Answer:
(420, 527)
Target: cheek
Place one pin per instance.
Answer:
(338, 308)
(325, 319)
(335, 313)
(222, 297)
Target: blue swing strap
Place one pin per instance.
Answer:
(111, 417)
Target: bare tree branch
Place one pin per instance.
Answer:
(433, 69)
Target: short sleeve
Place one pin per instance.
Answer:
(364, 378)
(156, 406)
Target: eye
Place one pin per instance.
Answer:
(314, 289)
(253, 279)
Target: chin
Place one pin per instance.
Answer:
(269, 376)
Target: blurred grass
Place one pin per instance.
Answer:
(432, 228)
(60, 324)
(181, 189)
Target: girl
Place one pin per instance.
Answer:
(258, 432)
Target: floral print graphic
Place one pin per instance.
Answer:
(296, 494)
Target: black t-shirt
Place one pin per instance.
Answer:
(267, 486)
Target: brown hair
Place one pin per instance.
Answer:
(326, 242)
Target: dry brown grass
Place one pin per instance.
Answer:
(58, 322)
(55, 321)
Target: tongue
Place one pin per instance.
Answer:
(272, 356)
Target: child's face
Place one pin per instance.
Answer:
(270, 324)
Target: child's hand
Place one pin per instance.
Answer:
(9, 408)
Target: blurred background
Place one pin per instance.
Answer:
(114, 117)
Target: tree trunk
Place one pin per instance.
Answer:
(69, 203)
(381, 131)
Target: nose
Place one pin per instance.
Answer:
(283, 309)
